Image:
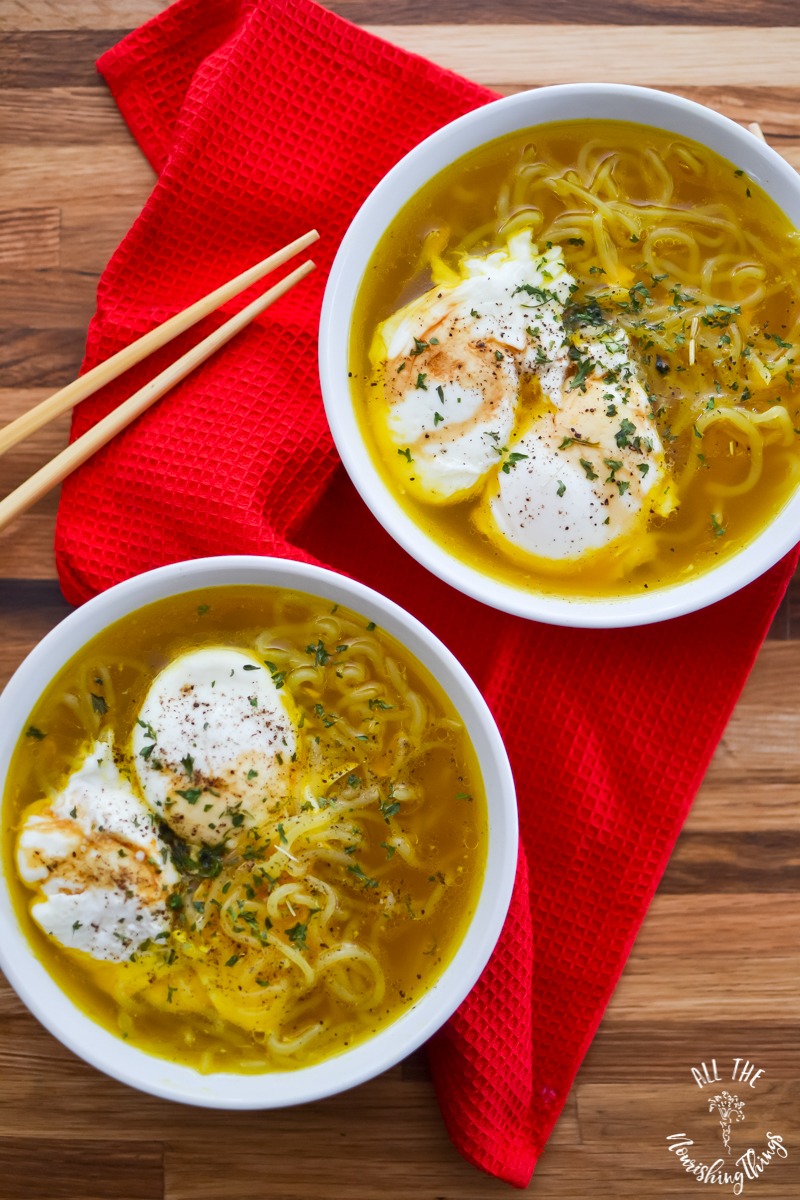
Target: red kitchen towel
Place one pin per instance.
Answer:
(264, 118)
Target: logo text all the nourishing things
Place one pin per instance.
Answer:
(736, 1165)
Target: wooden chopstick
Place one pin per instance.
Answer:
(84, 447)
(65, 399)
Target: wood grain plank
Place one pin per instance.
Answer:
(106, 14)
(673, 55)
(65, 175)
(45, 15)
(50, 299)
(577, 12)
(87, 116)
(50, 1168)
(754, 860)
(54, 58)
(676, 1044)
(40, 358)
(29, 238)
(724, 956)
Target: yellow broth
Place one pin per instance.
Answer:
(405, 867)
(701, 269)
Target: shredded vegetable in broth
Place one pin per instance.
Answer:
(297, 894)
(644, 425)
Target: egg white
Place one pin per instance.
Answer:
(214, 744)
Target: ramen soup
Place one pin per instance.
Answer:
(245, 829)
(574, 358)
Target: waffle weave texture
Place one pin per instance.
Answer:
(263, 119)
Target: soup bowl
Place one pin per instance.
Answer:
(752, 162)
(173, 1080)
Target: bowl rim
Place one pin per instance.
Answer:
(479, 127)
(161, 1077)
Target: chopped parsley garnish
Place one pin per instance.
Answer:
(297, 934)
(389, 809)
(319, 654)
(99, 704)
(421, 384)
(202, 609)
(277, 677)
(717, 528)
(390, 849)
(562, 487)
(232, 961)
(191, 795)
(356, 870)
(381, 704)
(406, 454)
(588, 468)
(437, 419)
(282, 834)
(512, 460)
(188, 764)
(623, 435)
(36, 734)
(588, 313)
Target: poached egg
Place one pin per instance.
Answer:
(590, 467)
(96, 856)
(214, 744)
(497, 386)
(451, 362)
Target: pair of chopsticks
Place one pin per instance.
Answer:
(62, 401)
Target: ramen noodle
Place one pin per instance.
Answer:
(573, 358)
(245, 829)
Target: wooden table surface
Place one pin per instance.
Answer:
(714, 973)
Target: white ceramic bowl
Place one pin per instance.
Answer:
(522, 111)
(122, 1061)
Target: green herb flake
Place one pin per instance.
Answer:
(623, 434)
(363, 878)
(421, 385)
(36, 734)
(512, 460)
(562, 487)
(319, 653)
(588, 468)
(406, 454)
(232, 961)
(99, 704)
(297, 935)
(191, 795)
(188, 764)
